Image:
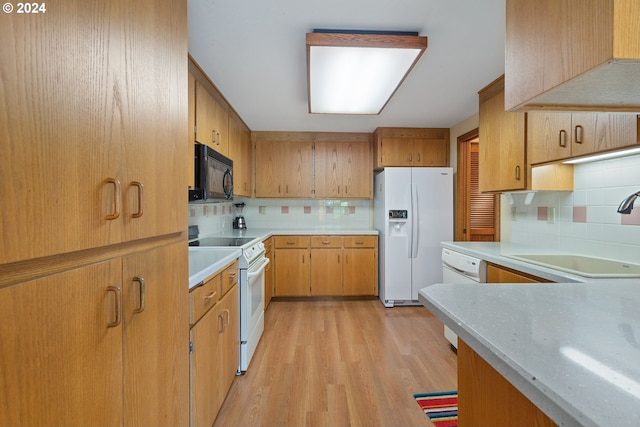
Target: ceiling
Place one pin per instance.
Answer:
(255, 53)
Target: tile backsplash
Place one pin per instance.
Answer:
(584, 220)
(284, 213)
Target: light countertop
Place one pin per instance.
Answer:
(204, 261)
(572, 347)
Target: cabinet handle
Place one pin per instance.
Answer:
(221, 326)
(338, 258)
(338, 189)
(419, 159)
(210, 296)
(578, 133)
(410, 156)
(286, 187)
(325, 242)
(116, 198)
(140, 188)
(227, 316)
(279, 189)
(562, 138)
(517, 173)
(118, 309)
(142, 291)
(359, 242)
(213, 136)
(303, 258)
(290, 243)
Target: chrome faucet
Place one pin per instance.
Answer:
(627, 204)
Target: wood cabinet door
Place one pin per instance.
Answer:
(326, 271)
(156, 312)
(229, 345)
(240, 153)
(297, 169)
(397, 151)
(599, 132)
(62, 362)
(191, 129)
(61, 132)
(502, 151)
(357, 166)
(329, 168)
(292, 272)
(206, 368)
(269, 169)
(431, 152)
(155, 120)
(205, 116)
(360, 271)
(548, 42)
(548, 136)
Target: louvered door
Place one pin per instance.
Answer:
(481, 205)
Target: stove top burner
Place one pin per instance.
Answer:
(221, 241)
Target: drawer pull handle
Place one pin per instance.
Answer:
(325, 242)
(143, 292)
(359, 242)
(118, 307)
(140, 188)
(116, 198)
(291, 243)
(562, 138)
(210, 296)
(578, 131)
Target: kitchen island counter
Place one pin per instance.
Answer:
(571, 348)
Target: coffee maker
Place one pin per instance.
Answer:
(239, 223)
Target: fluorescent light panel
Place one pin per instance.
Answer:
(352, 73)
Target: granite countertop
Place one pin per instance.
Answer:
(573, 348)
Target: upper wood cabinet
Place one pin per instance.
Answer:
(573, 55)
(241, 152)
(283, 164)
(503, 149)
(558, 136)
(109, 165)
(212, 120)
(343, 165)
(411, 147)
(313, 164)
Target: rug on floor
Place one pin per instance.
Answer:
(441, 407)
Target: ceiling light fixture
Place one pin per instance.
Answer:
(357, 72)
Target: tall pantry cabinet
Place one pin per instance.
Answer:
(93, 253)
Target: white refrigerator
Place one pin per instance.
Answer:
(413, 212)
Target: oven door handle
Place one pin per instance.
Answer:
(258, 268)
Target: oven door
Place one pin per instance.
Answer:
(251, 309)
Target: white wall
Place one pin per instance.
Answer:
(586, 220)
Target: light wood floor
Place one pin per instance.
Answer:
(341, 363)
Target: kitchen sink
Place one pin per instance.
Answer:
(582, 265)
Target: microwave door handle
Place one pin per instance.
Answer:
(227, 184)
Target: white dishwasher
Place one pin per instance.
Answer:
(461, 268)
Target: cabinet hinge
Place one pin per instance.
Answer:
(190, 347)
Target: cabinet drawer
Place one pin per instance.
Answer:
(326, 241)
(230, 276)
(203, 297)
(292, 242)
(360, 241)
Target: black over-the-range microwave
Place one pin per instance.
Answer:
(214, 176)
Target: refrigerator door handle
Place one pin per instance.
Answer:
(415, 223)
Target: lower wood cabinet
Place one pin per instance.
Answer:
(215, 345)
(500, 274)
(487, 399)
(326, 265)
(104, 344)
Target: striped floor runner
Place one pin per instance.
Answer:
(440, 407)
